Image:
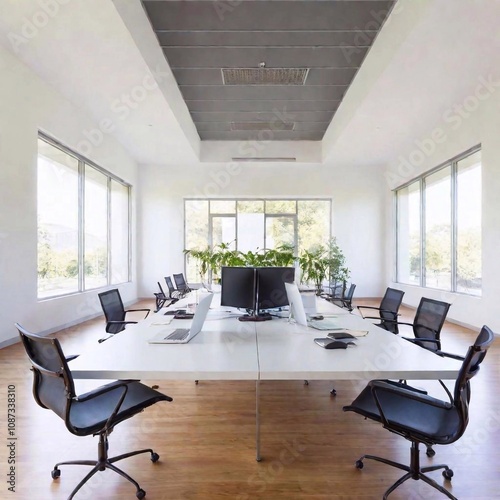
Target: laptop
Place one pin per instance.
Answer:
(184, 335)
(299, 313)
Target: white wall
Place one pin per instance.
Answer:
(27, 104)
(358, 211)
(477, 122)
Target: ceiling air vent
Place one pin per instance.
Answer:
(264, 76)
(264, 159)
(255, 126)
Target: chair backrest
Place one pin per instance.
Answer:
(390, 303)
(113, 309)
(350, 292)
(170, 285)
(161, 289)
(429, 320)
(389, 307)
(470, 368)
(180, 282)
(53, 386)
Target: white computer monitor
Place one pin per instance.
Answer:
(296, 304)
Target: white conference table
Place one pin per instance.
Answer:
(227, 349)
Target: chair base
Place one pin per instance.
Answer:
(104, 463)
(413, 471)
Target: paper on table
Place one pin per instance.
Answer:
(162, 321)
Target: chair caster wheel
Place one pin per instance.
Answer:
(306, 382)
(55, 473)
(430, 452)
(333, 392)
(359, 464)
(140, 494)
(155, 457)
(448, 474)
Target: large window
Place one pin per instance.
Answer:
(83, 223)
(255, 224)
(439, 227)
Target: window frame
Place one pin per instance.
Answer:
(421, 180)
(266, 214)
(82, 163)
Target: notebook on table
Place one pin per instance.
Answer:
(184, 335)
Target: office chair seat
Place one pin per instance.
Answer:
(89, 414)
(441, 418)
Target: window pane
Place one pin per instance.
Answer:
(250, 232)
(438, 230)
(280, 231)
(408, 234)
(119, 232)
(469, 224)
(313, 223)
(251, 206)
(96, 228)
(196, 226)
(224, 231)
(280, 207)
(222, 206)
(57, 221)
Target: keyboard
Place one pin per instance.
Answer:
(179, 334)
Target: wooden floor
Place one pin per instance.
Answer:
(206, 439)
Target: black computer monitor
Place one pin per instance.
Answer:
(271, 293)
(239, 287)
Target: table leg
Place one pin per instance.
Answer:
(257, 421)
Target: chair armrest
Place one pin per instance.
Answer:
(367, 307)
(100, 391)
(119, 323)
(139, 310)
(449, 355)
(421, 339)
(71, 357)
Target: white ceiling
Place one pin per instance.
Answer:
(427, 58)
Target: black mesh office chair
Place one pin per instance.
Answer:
(180, 283)
(173, 294)
(388, 310)
(427, 324)
(114, 311)
(346, 300)
(94, 413)
(420, 418)
(160, 298)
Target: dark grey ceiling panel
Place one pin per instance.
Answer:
(262, 105)
(309, 93)
(265, 135)
(271, 116)
(266, 38)
(226, 126)
(329, 38)
(292, 57)
(251, 15)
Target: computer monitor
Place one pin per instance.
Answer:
(239, 286)
(271, 293)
